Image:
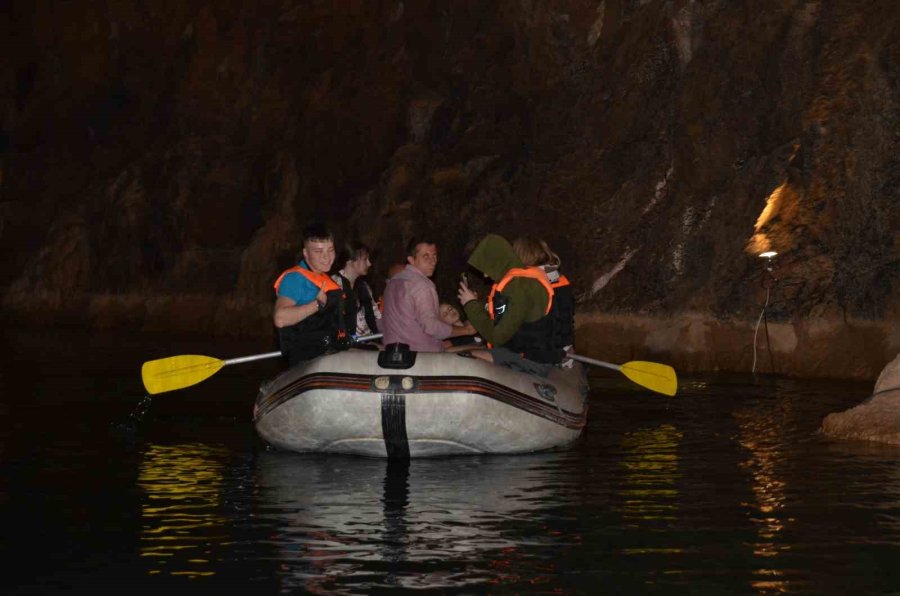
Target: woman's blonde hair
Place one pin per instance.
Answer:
(534, 252)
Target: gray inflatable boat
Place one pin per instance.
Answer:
(402, 404)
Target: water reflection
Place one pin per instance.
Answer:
(762, 432)
(352, 523)
(877, 490)
(395, 501)
(181, 516)
(650, 483)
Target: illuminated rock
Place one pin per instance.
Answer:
(877, 418)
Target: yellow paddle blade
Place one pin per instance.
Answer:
(652, 375)
(178, 372)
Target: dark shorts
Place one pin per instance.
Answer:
(515, 361)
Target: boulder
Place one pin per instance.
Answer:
(877, 418)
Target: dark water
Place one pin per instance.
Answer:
(726, 489)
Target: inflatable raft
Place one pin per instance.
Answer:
(401, 404)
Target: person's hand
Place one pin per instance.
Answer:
(469, 328)
(465, 294)
(321, 297)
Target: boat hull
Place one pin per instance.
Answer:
(444, 404)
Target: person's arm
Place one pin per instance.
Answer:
(287, 312)
(425, 305)
(500, 333)
(371, 314)
(465, 329)
(513, 318)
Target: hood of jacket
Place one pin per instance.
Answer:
(494, 256)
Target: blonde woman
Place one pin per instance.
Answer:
(535, 252)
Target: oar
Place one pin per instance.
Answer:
(657, 377)
(178, 372)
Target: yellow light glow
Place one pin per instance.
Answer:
(760, 242)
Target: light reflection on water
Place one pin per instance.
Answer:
(762, 438)
(650, 483)
(181, 518)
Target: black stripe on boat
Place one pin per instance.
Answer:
(393, 425)
(424, 385)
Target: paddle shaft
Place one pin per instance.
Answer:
(252, 358)
(255, 357)
(587, 360)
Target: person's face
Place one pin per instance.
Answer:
(425, 259)
(449, 314)
(361, 265)
(319, 255)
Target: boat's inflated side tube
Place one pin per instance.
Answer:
(397, 356)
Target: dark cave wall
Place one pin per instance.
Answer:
(160, 159)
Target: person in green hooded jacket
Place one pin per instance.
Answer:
(516, 321)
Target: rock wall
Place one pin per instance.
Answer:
(158, 160)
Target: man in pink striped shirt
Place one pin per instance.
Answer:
(411, 308)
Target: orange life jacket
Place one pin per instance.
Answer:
(532, 272)
(316, 278)
(323, 331)
(533, 340)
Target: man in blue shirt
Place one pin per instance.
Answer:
(307, 308)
